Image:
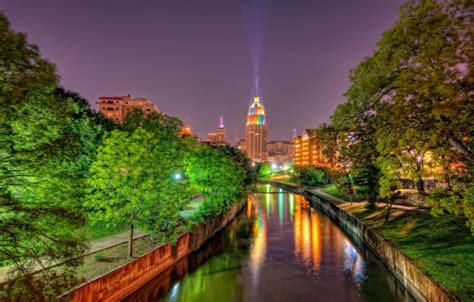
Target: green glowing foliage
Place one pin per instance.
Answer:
(243, 161)
(217, 177)
(311, 176)
(132, 182)
(48, 139)
(264, 170)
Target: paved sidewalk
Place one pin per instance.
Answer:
(108, 242)
(94, 247)
(339, 200)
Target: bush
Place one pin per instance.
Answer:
(311, 176)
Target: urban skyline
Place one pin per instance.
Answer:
(302, 61)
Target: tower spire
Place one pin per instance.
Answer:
(221, 122)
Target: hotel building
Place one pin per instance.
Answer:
(116, 108)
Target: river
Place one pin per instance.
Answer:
(278, 249)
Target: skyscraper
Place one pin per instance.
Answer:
(256, 132)
(218, 137)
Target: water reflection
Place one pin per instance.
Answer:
(258, 247)
(353, 263)
(279, 249)
(307, 236)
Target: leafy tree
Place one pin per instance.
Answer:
(217, 177)
(132, 182)
(328, 137)
(264, 170)
(242, 161)
(162, 124)
(47, 141)
(311, 176)
(413, 97)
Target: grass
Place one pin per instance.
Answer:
(441, 246)
(333, 190)
(104, 261)
(101, 229)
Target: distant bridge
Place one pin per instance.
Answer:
(272, 192)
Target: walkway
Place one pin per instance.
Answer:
(337, 200)
(111, 241)
(94, 247)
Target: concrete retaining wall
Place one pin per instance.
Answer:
(122, 281)
(422, 287)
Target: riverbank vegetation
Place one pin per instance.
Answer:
(407, 122)
(65, 171)
(441, 246)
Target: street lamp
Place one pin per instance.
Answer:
(177, 176)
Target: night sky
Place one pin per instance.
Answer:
(197, 59)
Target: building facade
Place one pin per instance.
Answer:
(218, 137)
(256, 132)
(280, 151)
(116, 108)
(309, 151)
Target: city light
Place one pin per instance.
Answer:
(178, 176)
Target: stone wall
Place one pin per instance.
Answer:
(420, 285)
(120, 282)
(204, 231)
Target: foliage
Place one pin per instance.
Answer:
(409, 108)
(311, 176)
(48, 139)
(440, 246)
(243, 161)
(132, 181)
(217, 177)
(264, 170)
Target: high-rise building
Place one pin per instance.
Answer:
(218, 137)
(256, 132)
(116, 108)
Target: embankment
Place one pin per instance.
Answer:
(420, 285)
(120, 282)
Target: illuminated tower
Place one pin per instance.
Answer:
(218, 137)
(256, 132)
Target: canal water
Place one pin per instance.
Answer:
(278, 249)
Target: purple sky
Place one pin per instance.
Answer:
(193, 58)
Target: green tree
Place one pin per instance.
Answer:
(217, 177)
(264, 170)
(311, 176)
(413, 97)
(47, 141)
(242, 161)
(133, 183)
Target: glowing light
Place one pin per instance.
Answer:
(292, 205)
(280, 206)
(221, 122)
(274, 166)
(258, 247)
(256, 114)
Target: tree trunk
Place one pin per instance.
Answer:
(420, 186)
(466, 153)
(387, 215)
(130, 242)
